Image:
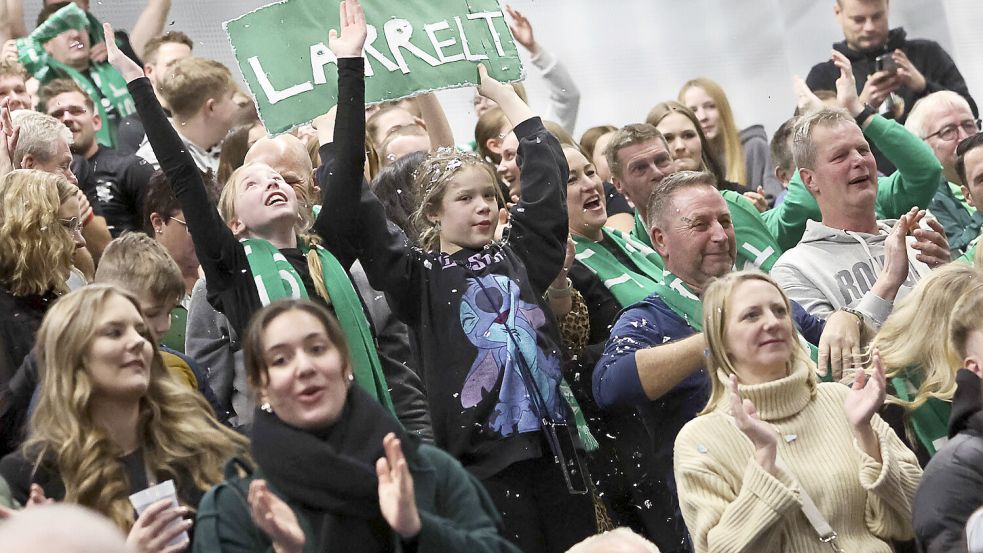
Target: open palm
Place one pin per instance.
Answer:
(348, 44)
(867, 394)
(126, 67)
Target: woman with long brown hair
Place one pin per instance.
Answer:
(111, 421)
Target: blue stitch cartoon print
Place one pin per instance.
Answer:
(489, 307)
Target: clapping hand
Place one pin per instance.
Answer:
(397, 500)
(275, 518)
(762, 435)
(866, 395)
(931, 244)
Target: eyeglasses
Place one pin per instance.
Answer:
(180, 222)
(948, 132)
(74, 110)
(73, 225)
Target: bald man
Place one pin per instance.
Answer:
(619, 540)
(287, 155)
(60, 528)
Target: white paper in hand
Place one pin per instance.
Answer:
(165, 490)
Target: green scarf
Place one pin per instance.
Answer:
(930, 421)
(626, 285)
(276, 279)
(683, 302)
(108, 88)
(756, 246)
(970, 252)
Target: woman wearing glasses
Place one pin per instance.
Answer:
(40, 229)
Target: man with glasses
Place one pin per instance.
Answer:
(120, 181)
(943, 120)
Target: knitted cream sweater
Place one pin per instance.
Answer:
(731, 504)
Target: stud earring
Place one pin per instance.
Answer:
(266, 407)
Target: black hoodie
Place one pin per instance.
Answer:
(927, 56)
(952, 485)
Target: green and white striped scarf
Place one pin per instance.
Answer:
(628, 286)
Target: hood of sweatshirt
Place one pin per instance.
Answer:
(895, 39)
(816, 231)
(754, 132)
(966, 403)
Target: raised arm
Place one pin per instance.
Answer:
(149, 24)
(11, 20)
(351, 216)
(564, 93)
(438, 128)
(538, 232)
(185, 178)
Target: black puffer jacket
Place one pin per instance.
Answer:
(952, 485)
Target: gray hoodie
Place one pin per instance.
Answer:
(832, 268)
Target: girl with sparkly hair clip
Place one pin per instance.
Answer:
(490, 354)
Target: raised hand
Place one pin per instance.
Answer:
(153, 530)
(275, 518)
(806, 101)
(9, 52)
(396, 498)
(866, 395)
(846, 85)
(126, 67)
(895, 270)
(349, 43)
(932, 245)
(8, 138)
(522, 30)
(490, 87)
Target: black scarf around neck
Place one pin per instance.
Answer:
(329, 474)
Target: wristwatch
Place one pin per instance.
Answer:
(864, 115)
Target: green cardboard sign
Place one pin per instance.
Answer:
(413, 46)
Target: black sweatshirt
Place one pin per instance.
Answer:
(121, 186)
(460, 304)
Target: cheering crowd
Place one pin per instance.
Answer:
(362, 335)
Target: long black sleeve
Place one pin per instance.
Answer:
(538, 233)
(351, 214)
(214, 242)
(336, 226)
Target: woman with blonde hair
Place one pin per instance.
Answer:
(688, 146)
(111, 421)
(744, 154)
(40, 229)
(773, 444)
(919, 363)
